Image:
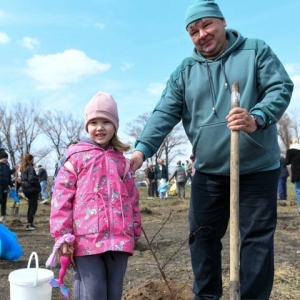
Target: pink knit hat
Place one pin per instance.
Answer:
(102, 105)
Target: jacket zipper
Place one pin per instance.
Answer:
(111, 227)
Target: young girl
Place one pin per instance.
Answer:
(96, 200)
(163, 189)
(31, 188)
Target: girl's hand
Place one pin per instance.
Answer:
(64, 250)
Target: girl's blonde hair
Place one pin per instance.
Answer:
(118, 145)
(27, 160)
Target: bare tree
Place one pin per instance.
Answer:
(172, 145)
(288, 128)
(60, 128)
(27, 129)
(19, 130)
(73, 128)
(284, 131)
(295, 126)
(134, 128)
(6, 132)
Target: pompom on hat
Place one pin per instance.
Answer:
(199, 9)
(102, 105)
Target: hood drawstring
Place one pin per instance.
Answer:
(223, 71)
(211, 87)
(213, 96)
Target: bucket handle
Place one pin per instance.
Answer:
(36, 265)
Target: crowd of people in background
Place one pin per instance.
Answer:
(27, 182)
(158, 181)
(290, 166)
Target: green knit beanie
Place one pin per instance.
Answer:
(199, 9)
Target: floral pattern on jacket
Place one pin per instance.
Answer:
(93, 201)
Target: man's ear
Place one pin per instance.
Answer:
(224, 23)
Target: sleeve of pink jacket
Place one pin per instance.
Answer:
(62, 203)
(133, 194)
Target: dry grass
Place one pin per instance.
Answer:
(142, 271)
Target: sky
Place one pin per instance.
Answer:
(62, 52)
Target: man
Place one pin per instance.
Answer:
(180, 178)
(12, 170)
(199, 94)
(43, 178)
(293, 159)
(5, 182)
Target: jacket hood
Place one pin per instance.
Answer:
(90, 141)
(235, 39)
(86, 144)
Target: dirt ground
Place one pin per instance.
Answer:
(165, 225)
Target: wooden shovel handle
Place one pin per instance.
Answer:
(234, 203)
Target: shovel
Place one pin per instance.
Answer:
(234, 285)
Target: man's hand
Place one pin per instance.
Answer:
(136, 160)
(239, 119)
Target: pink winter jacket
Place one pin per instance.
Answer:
(93, 201)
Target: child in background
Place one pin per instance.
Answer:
(96, 200)
(163, 189)
(5, 182)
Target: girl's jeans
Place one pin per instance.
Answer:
(100, 276)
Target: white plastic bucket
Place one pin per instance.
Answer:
(31, 283)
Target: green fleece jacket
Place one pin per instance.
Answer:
(199, 93)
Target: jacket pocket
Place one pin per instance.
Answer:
(127, 210)
(253, 155)
(88, 212)
(212, 151)
(212, 148)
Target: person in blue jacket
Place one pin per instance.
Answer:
(198, 93)
(282, 180)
